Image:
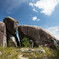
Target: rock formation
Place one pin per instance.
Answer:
(37, 34)
(11, 25)
(11, 28)
(3, 41)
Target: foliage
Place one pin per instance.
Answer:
(25, 42)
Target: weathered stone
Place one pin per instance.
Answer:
(11, 25)
(3, 40)
(0, 53)
(37, 34)
(31, 43)
(12, 40)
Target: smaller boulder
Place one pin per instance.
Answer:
(0, 53)
(3, 40)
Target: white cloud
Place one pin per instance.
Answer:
(47, 6)
(34, 10)
(35, 18)
(54, 31)
(31, 4)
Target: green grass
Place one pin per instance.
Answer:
(9, 53)
(13, 53)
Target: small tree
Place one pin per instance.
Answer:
(25, 42)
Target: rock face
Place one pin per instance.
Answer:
(11, 28)
(12, 40)
(3, 40)
(11, 25)
(37, 34)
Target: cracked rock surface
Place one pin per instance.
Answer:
(37, 34)
(3, 41)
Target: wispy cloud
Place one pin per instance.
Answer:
(35, 18)
(54, 31)
(47, 6)
(34, 10)
(31, 4)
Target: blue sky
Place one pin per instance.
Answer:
(43, 13)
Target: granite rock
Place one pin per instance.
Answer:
(37, 34)
(11, 29)
(12, 40)
(11, 25)
(3, 39)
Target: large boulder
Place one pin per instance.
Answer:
(3, 40)
(11, 25)
(37, 34)
(11, 28)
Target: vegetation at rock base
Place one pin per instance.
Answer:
(26, 51)
(25, 42)
(13, 53)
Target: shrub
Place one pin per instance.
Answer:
(25, 42)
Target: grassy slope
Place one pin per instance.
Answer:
(13, 53)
